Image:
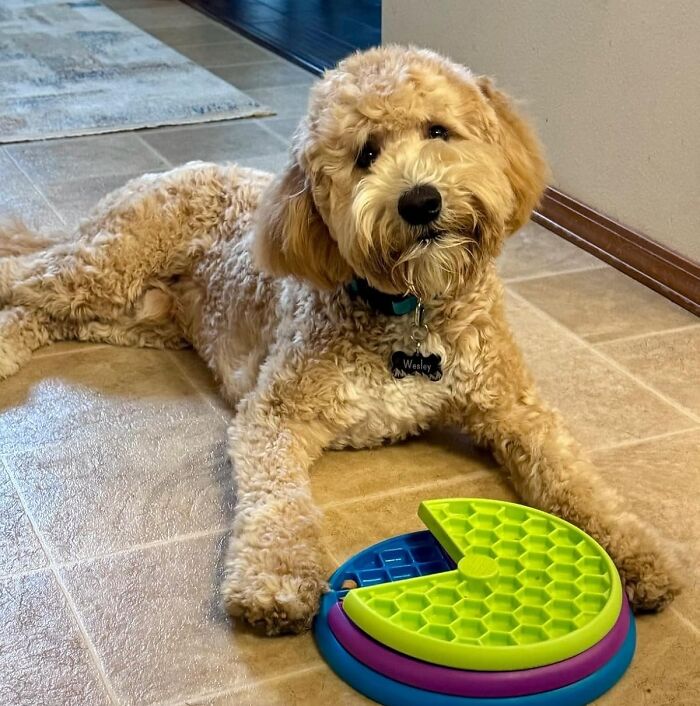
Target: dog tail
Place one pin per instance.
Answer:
(17, 239)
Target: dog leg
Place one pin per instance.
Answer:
(274, 578)
(21, 332)
(550, 471)
(109, 280)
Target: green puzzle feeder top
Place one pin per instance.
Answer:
(529, 589)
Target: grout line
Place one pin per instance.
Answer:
(38, 190)
(254, 62)
(234, 39)
(333, 504)
(635, 442)
(154, 151)
(688, 623)
(611, 361)
(331, 553)
(52, 444)
(26, 572)
(72, 607)
(649, 334)
(192, 536)
(237, 40)
(200, 390)
(210, 67)
(50, 353)
(270, 131)
(544, 275)
(288, 83)
(232, 691)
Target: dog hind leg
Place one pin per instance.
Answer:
(22, 331)
(150, 324)
(19, 247)
(109, 280)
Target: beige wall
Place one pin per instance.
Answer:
(613, 86)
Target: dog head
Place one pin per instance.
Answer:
(407, 171)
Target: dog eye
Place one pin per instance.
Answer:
(367, 155)
(438, 132)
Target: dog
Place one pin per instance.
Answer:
(349, 302)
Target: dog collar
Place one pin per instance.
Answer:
(389, 304)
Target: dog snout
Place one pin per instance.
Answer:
(420, 205)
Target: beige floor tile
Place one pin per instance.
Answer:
(670, 362)
(269, 74)
(19, 548)
(219, 142)
(436, 457)
(226, 54)
(600, 404)
(315, 686)
(195, 369)
(133, 4)
(62, 348)
(93, 394)
(155, 620)
(74, 199)
(354, 526)
(661, 480)
(664, 671)
(88, 157)
(101, 495)
(287, 101)
(534, 250)
(274, 163)
(603, 304)
(284, 127)
(43, 661)
(30, 208)
(205, 33)
(171, 15)
(20, 200)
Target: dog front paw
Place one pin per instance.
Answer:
(274, 579)
(648, 565)
(650, 580)
(276, 602)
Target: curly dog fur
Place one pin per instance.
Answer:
(250, 270)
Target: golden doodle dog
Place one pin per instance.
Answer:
(351, 301)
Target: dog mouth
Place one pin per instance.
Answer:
(430, 235)
(433, 234)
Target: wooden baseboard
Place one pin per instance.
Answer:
(647, 261)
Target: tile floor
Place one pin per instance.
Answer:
(115, 495)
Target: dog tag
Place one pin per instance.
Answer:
(403, 364)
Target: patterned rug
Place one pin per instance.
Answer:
(77, 68)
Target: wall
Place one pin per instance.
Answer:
(612, 86)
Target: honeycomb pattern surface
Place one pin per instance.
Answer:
(528, 589)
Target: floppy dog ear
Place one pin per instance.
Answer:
(527, 170)
(291, 238)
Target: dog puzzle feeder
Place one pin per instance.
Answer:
(498, 603)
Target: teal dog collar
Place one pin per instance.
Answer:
(388, 304)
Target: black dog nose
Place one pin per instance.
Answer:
(420, 205)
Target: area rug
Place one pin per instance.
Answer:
(77, 68)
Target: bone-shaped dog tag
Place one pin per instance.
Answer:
(403, 364)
